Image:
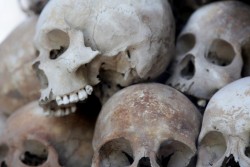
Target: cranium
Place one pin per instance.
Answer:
(211, 48)
(32, 139)
(83, 42)
(224, 138)
(146, 125)
(19, 84)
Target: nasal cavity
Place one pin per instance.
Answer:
(144, 162)
(40, 75)
(230, 162)
(188, 68)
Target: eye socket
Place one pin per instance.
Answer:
(220, 53)
(34, 153)
(212, 148)
(185, 43)
(116, 153)
(59, 42)
(55, 53)
(173, 153)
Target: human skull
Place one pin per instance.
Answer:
(32, 139)
(147, 125)
(83, 42)
(18, 82)
(211, 48)
(224, 138)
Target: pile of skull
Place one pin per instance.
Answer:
(116, 89)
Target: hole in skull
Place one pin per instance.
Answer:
(188, 70)
(220, 53)
(37, 53)
(58, 41)
(41, 75)
(185, 43)
(116, 153)
(212, 148)
(230, 162)
(173, 153)
(55, 53)
(245, 52)
(128, 53)
(144, 162)
(34, 153)
(247, 151)
(3, 164)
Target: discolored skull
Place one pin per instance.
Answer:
(83, 42)
(18, 82)
(224, 138)
(33, 139)
(211, 48)
(146, 125)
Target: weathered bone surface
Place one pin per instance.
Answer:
(148, 125)
(114, 43)
(32, 7)
(18, 82)
(33, 139)
(224, 137)
(211, 49)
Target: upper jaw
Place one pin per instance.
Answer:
(66, 104)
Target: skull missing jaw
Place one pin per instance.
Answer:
(212, 148)
(173, 153)
(34, 153)
(116, 153)
(220, 53)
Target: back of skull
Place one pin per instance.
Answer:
(224, 137)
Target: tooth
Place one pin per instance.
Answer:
(89, 89)
(202, 103)
(67, 111)
(46, 113)
(65, 100)
(73, 109)
(82, 95)
(73, 98)
(59, 113)
(50, 113)
(59, 101)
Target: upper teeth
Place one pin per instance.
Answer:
(89, 89)
(81, 95)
